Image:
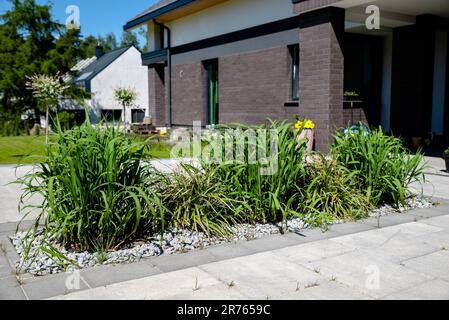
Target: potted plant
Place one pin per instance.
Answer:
(446, 158)
(306, 129)
(350, 96)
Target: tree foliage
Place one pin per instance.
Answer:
(32, 43)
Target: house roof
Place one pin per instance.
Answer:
(156, 10)
(95, 67)
(78, 68)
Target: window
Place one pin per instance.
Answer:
(111, 116)
(212, 92)
(137, 115)
(294, 53)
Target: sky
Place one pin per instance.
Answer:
(97, 17)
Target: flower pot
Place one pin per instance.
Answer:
(308, 134)
(417, 142)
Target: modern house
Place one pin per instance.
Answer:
(225, 61)
(102, 74)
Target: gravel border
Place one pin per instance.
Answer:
(174, 241)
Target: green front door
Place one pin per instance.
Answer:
(212, 92)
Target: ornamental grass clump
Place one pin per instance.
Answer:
(96, 189)
(381, 164)
(270, 185)
(195, 200)
(331, 193)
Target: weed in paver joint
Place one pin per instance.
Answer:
(18, 274)
(3, 248)
(312, 285)
(197, 286)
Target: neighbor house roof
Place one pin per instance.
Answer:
(78, 68)
(95, 67)
(156, 10)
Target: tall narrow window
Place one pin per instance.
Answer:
(212, 91)
(294, 53)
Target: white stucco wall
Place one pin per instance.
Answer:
(127, 71)
(227, 17)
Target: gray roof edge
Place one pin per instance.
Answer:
(155, 11)
(96, 72)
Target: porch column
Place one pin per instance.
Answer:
(156, 91)
(321, 71)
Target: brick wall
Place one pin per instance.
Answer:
(321, 78)
(306, 5)
(188, 93)
(254, 86)
(157, 94)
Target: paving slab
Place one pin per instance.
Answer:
(175, 262)
(38, 288)
(369, 274)
(331, 290)
(163, 286)
(440, 239)
(5, 269)
(105, 275)
(350, 228)
(270, 243)
(10, 289)
(263, 275)
(431, 290)
(435, 264)
(310, 235)
(229, 251)
(437, 221)
(398, 249)
(10, 193)
(313, 251)
(389, 220)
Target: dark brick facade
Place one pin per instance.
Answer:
(157, 94)
(306, 5)
(256, 85)
(188, 93)
(321, 78)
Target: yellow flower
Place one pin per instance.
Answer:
(298, 125)
(309, 125)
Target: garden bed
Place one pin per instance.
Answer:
(174, 242)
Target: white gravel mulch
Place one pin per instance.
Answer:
(174, 241)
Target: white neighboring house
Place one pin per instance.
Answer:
(102, 74)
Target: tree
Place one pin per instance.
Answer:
(110, 42)
(47, 90)
(31, 42)
(125, 97)
(129, 39)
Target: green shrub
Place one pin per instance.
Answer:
(196, 201)
(96, 190)
(331, 193)
(382, 165)
(269, 197)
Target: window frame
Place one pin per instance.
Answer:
(294, 51)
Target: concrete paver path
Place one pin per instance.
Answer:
(406, 261)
